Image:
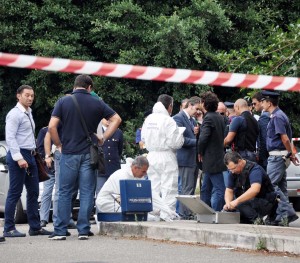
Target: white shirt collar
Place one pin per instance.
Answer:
(188, 115)
(21, 108)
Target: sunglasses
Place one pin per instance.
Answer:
(254, 103)
(222, 113)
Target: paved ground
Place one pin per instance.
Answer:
(253, 237)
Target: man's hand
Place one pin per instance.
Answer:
(295, 160)
(48, 162)
(196, 130)
(22, 163)
(100, 139)
(231, 205)
(199, 158)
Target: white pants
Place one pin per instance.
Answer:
(163, 173)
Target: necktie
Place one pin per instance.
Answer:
(192, 122)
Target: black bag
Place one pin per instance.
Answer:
(97, 158)
(40, 163)
(96, 152)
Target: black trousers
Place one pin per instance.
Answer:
(257, 208)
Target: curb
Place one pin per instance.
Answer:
(252, 237)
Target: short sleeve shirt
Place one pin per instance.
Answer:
(255, 176)
(238, 124)
(73, 135)
(278, 124)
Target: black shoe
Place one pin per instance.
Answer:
(68, 234)
(287, 220)
(14, 233)
(53, 236)
(2, 239)
(41, 232)
(72, 226)
(90, 234)
(43, 223)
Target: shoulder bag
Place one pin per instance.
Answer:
(40, 163)
(96, 151)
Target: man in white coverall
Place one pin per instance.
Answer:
(162, 138)
(110, 192)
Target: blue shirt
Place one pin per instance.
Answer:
(73, 137)
(278, 124)
(255, 176)
(19, 134)
(138, 135)
(238, 124)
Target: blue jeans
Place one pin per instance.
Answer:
(212, 190)
(276, 170)
(46, 198)
(18, 177)
(75, 168)
(57, 156)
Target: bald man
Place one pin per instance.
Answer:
(243, 131)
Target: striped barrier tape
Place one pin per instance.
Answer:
(295, 139)
(151, 73)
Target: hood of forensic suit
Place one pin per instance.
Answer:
(160, 108)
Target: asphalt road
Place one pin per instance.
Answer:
(107, 249)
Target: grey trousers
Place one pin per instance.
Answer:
(188, 177)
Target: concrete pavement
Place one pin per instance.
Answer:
(253, 237)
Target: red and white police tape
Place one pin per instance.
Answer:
(296, 139)
(151, 73)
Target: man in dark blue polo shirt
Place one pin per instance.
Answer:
(75, 149)
(279, 137)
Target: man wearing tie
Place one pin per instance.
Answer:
(186, 156)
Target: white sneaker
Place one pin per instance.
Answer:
(83, 237)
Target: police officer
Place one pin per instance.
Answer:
(279, 137)
(263, 121)
(249, 190)
(243, 131)
(112, 148)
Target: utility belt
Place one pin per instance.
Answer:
(278, 153)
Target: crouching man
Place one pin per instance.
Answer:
(248, 190)
(134, 169)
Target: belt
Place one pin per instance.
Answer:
(32, 152)
(278, 153)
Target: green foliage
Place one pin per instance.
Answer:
(257, 37)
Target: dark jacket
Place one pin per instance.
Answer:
(186, 156)
(262, 138)
(211, 143)
(112, 149)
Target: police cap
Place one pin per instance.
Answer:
(229, 104)
(269, 94)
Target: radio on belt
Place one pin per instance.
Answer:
(136, 202)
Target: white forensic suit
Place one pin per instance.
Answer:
(162, 138)
(110, 192)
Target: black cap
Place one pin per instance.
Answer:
(269, 94)
(229, 104)
(69, 91)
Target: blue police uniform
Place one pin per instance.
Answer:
(112, 149)
(278, 125)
